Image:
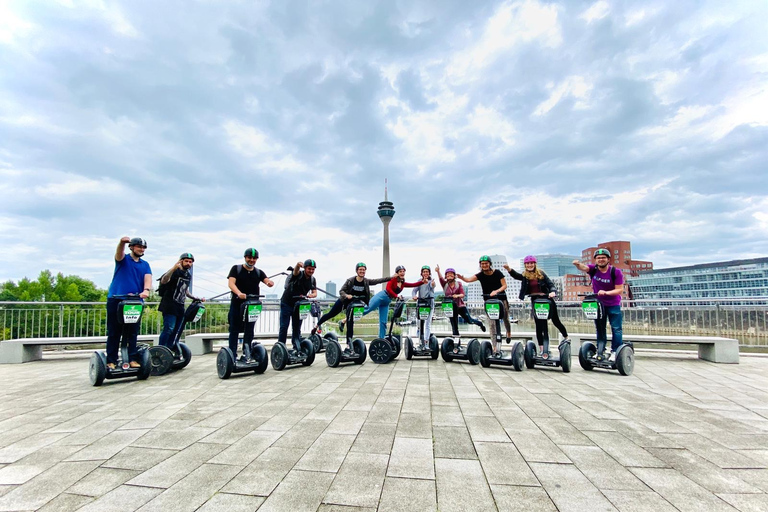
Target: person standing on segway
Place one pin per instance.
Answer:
(536, 282)
(494, 284)
(382, 299)
(454, 290)
(243, 280)
(426, 290)
(356, 287)
(132, 275)
(301, 282)
(608, 285)
(174, 289)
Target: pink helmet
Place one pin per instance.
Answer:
(529, 259)
(450, 269)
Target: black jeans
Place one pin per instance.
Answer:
(464, 313)
(237, 323)
(542, 330)
(337, 308)
(115, 329)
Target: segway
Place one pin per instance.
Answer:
(305, 354)
(494, 308)
(178, 356)
(320, 342)
(384, 350)
(591, 356)
(254, 358)
(427, 348)
(452, 349)
(355, 351)
(541, 307)
(129, 312)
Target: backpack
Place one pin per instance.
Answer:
(162, 288)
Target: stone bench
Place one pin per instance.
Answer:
(714, 349)
(24, 350)
(202, 343)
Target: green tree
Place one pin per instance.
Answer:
(48, 288)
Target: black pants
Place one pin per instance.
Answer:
(337, 308)
(542, 330)
(237, 323)
(464, 313)
(115, 329)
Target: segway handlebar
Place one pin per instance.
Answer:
(127, 296)
(253, 296)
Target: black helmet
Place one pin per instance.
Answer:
(603, 252)
(187, 256)
(399, 268)
(360, 265)
(137, 241)
(310, 263)
(252, 253)
(485, 258)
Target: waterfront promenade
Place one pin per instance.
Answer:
(679, 434)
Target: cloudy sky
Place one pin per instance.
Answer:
(503, 127)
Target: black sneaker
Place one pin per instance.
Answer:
(482, 327)
(243, 359)
(341, 325)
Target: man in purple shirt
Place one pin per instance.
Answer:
(608, 285)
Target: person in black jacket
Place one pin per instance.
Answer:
(356, 287)
(536, 283)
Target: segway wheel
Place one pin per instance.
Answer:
(486, 351)
(518, 356)
(381, 351)
(397, 344)
(333, 353)
(359, 346)
(408, 348)
(161, 359)
(330, 335)
(434, 346)
(146, 365)
(186, 354)
(625, 360)
(587, 352)
(259, 353)
(97, 369)
(317, 343)
(446, 350)
(530, 353)
(279, 356)
(565, 357)
(308, 349)
(473, 351)
(225, 363)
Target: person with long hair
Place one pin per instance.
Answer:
(454, 291)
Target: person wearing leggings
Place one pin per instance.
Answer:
(536, 283)
(454, 290)
(356, 287)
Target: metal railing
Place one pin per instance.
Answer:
(746, 320)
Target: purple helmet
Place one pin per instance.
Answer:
(450, 269)
(529, 259)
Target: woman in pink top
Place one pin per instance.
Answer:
(454, 290)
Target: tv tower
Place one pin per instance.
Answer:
(386, 212)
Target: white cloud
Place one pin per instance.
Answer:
(596, 11)
(574, 86)
(263, 152)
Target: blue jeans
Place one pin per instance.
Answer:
(614, 316)
(381, 302)
(289, 314)
(115, 332)
(171, 327)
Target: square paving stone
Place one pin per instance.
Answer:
(746, 502)
(66, 503)
(359, 481)
(347, 422)
(560, 432)
(474, 493)
(625, 451)
(514, 498)
(46, 486)
(638, 501)
(488, 429)
(189, 493)
(27, 446)
(408, 495)
(300, 491)
(34, 464)
(680, 491)
(384, 412)
(223, 502)
(100, 481)
(569, 489)
(375, 438)
(503, 464)
(173, 440)
(443, 416)
(246, 449)
(415, 425)
(602, 469)
(453, 443)
(326, 454)
(139, 459)
(108, 446)
(703, 472)
(125, 498)
(411, 458)
(534, 446)
(175, 468)
(715, 453)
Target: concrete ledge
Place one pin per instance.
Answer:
(24, 350)
(714, 349)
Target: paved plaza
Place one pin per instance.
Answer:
(679, 434)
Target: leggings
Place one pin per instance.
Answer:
(542, 330)
(464, 313)
(337, 308)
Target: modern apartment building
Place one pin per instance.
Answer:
(723, 279)
(554, 265)
(330, 290)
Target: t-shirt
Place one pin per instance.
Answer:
(298, 285)
(247, 281)
(358, 289)
(492, 282)
(533, 286)
(425, 290)
(602, 281)
(172, 302)
(128, 276)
